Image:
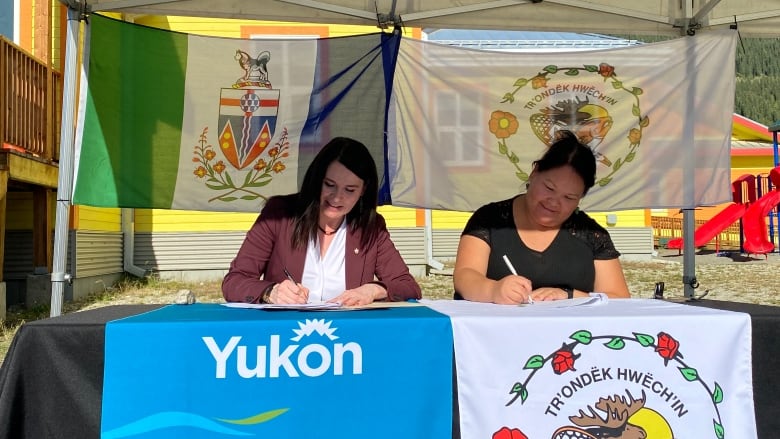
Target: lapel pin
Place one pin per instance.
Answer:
(357, 251)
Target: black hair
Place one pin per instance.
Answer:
(568, 150)
(355, 157)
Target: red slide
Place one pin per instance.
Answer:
(711, 228)
(754, 225)
(756, 234)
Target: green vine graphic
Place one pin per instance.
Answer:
(504, 124)
(667, 347)
(218, 178)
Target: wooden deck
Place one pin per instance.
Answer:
(31, 103)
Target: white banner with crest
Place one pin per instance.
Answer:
(632, 368)
(467, 124)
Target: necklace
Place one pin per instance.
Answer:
(326, 233)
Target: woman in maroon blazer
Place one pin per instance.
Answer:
(325, 243)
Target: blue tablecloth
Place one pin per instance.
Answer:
(209, 371)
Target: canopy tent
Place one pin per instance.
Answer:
(657, 17)
(754, 18)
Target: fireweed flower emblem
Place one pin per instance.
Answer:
(509, 433)
(665, 345)
(218, 178)
(589, 121)
(246, 158)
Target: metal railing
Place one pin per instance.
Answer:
(30, 103)
(666, 228)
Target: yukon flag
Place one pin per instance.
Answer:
(176, 121)
(468, 124)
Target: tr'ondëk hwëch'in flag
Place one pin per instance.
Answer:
(176, 121)
(466, 125)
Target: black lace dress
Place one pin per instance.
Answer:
(568, 261)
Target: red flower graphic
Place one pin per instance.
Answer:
(507, 433)
(606, 70)
(563, 359)
(667, 347)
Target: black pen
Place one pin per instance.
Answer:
(289, 276)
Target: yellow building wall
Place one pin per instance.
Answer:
(399, 216)
(625, 218)
(446, 219)
(159, 220)
(99, 219)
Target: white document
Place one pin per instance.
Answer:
(292, 306)
(593, 299)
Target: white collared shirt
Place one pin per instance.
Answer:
(325, 277)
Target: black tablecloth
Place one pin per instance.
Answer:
(52, 378)
(51, 382)
(765, 323)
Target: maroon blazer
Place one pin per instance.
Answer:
(267, 251)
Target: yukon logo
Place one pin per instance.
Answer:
(245, 159)
(323, 355)
(294, 360)
(574, 103)
(615, 416)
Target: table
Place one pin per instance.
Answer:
(52, 378)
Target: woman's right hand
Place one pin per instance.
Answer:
(512, 290)
(288, 292)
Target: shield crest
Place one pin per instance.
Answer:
(247, 120)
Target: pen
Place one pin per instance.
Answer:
(509, 265)
(289, 276)
(513, 271)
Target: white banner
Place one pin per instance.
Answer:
(637, 368)
(467, 124)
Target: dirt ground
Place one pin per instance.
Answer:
(703, 256)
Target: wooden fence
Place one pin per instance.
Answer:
(665, 228)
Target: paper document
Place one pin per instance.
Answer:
(292, 306)
(319, 306)
(593, 299)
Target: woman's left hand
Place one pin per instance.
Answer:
(362, 295)
(549, 293)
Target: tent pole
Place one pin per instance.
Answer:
(65, 183)
(689, 174)
(689, 256)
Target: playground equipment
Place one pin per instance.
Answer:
(743, 193)
(754, 223)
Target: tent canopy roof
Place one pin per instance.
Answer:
(657, 17)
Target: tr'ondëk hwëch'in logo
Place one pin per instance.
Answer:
(623, 418)
(570, 108)
(247, 122)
